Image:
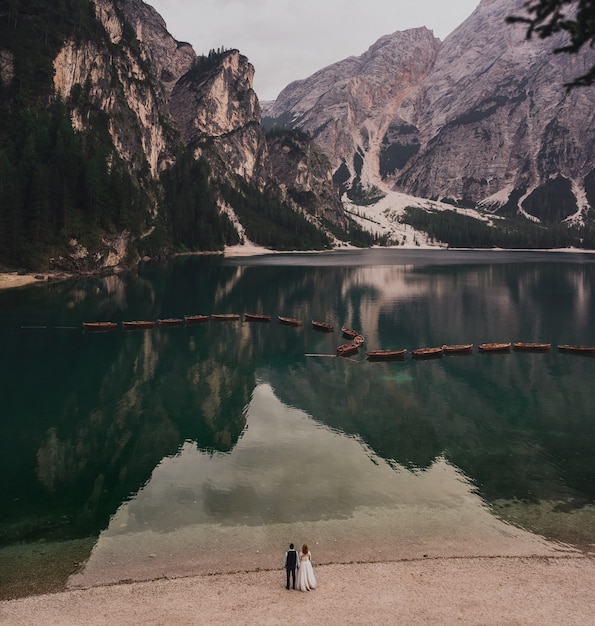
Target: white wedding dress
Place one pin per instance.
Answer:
(305, 579)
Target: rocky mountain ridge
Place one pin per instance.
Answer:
(481, 119)
(216, 113)
(349, 107)
(138, 103)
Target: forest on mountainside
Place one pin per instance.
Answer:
(54, 187)
(55, 184)
(462, 231)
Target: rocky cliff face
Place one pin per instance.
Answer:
(209, 101)
(218, 114)
(168, 58)
(481, 118)
(496, 124)
(119, 79)
(139, 99)
(147, 84)
(305, 175)
(349, 107)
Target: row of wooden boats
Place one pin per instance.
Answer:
(200, 319)
(519, 346)
(288, 321)
(356, 339)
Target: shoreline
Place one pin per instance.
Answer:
(13, 279)
(451, 590)
(10, 280)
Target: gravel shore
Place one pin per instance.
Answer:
(12, 279)
(496, 590)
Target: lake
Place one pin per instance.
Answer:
(132, 455)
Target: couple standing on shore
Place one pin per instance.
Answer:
(305, 579)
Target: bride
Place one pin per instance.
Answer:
(305, 574)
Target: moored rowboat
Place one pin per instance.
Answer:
(100, 326)
(587, 350)
(494, 347)
(170, 321)
(322, 326)
(349, 332)
(289, 321)
(531, 347)
(385, 355)
(459, 348)
(255, 317)
(196, 319)
(427, 353)
(225, 317)
(347, 348)
(359, 339)
(138, 325)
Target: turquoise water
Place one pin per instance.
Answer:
(124, 449)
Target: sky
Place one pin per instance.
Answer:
(287, 40)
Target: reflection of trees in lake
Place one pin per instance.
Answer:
(93, 414)
(101, 434)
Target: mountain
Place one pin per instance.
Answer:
(349, 107)
(117, 141)
(479, 120)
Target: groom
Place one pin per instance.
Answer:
(290, 562)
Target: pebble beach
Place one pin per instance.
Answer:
(495, 590)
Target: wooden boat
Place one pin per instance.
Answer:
(289, 321)
(255, 317)
(347, 348)
(586, 350)
(196, 319)
(531, 347)
(459, 348)
(359, 339)
(170, 321)
(385, 355)
(225, 317)
(349, 332)
(494, 347)
(427, 353)
(327, 328)
(138, 325)
(100, 326)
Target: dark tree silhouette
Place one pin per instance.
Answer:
(548, 17)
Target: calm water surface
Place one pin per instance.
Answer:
(131, 455)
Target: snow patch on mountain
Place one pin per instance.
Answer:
(384, 218)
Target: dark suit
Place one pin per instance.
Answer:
(291, 563)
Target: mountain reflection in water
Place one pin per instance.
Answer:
(288, 477)
(91, 422)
